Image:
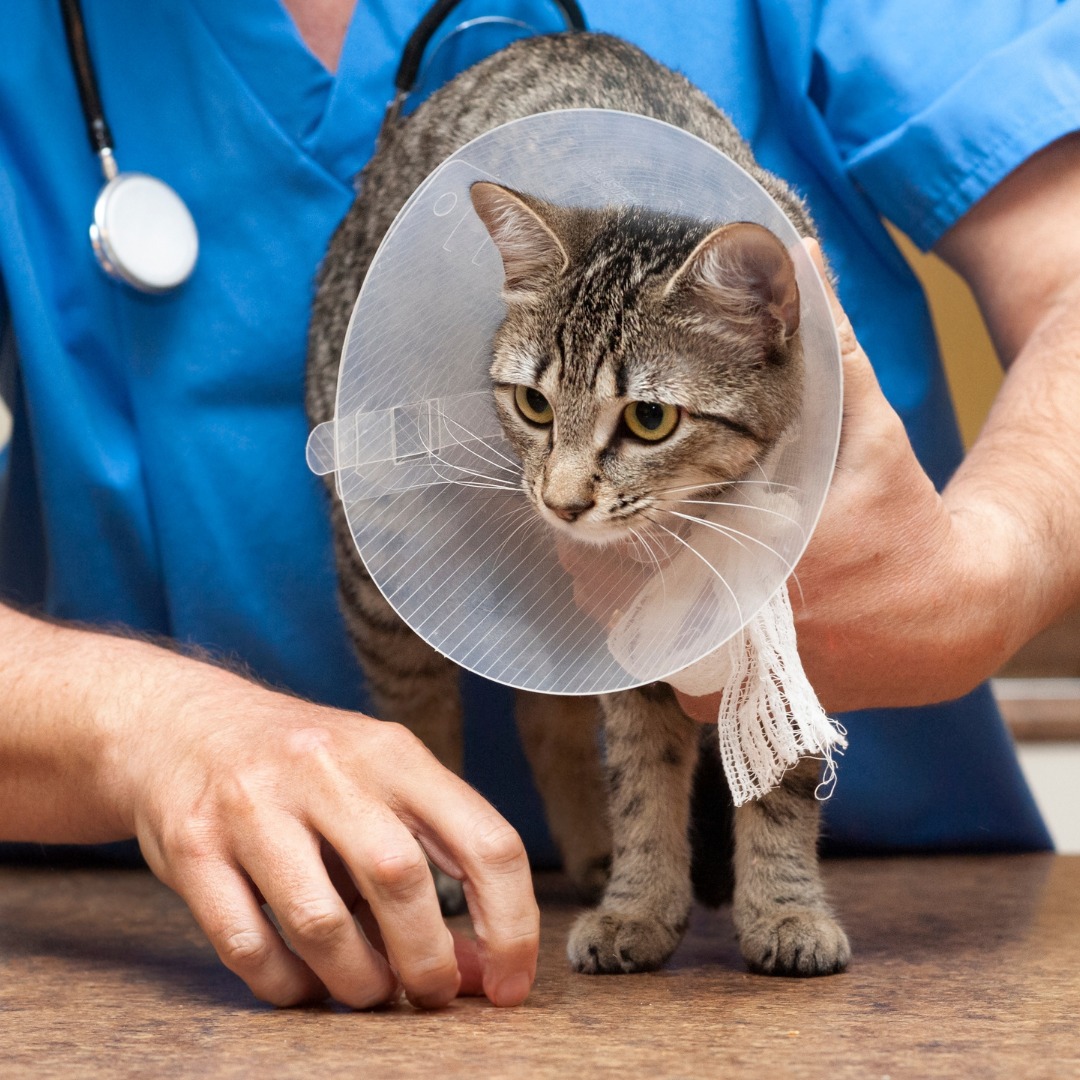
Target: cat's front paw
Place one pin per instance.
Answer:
(607, 943)
(795, 942)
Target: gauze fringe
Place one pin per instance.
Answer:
(769, 715)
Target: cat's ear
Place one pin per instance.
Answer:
(742, 272)
(532, 254)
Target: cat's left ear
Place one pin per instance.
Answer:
(743, 272)
(532, 254)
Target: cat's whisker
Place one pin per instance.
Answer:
(472, 468)
(726, 530)
(730, 534)
(479, 482)
(481, 485)
(497, 481)
(499, 557)
(724, 484)
(690, 547)
(497, 466)
(743, 506)
(511, 463)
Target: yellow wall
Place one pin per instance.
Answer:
(970, 361)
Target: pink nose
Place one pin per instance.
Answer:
(570, 511)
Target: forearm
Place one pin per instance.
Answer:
(1021, 479)
(1017, 249)
(66, 695)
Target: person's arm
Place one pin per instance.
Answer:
(907, 597)
(237, 793)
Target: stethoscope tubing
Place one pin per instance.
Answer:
(82, 66)
(143, 233)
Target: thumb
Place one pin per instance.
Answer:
(868, 416)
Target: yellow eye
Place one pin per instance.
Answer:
(651, 421)
(533, 405)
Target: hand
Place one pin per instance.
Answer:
(899, 598)
(241, 795)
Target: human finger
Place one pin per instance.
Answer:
(225, 907)
(859, 378)
(288, 870)
(469, 965)
(393, 876)
(468, 838)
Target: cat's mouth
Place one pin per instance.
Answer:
(637, 535)
(585, 527)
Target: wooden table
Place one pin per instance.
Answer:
(963, 967)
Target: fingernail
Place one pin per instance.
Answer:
(513, 990)
(433, 1001)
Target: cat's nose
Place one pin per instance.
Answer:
(570, 511)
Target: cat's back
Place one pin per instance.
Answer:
(541, 74)
(559, 71)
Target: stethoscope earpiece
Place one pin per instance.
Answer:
(143, 233)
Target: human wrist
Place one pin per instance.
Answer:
(1006, 590)
(88, 718)
(1028, 554)
(153, 718)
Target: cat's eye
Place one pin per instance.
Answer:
(533, 405)
(650, 420)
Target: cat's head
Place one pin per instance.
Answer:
(645, 358)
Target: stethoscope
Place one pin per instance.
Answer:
(143, 233)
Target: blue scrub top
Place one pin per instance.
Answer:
(156, 476)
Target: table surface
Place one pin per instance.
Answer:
(964, 966)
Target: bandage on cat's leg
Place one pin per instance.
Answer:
(782, 921)
(651, 753)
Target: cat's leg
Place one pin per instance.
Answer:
(409, 684)
(781, 918)
(561, 739)
(651, 753)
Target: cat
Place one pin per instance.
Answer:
(598, 303)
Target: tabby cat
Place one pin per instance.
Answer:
(640, 352)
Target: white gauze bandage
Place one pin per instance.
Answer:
(769, 715)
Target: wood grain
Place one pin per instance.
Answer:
(963, 967)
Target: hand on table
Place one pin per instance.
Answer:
(240, 794)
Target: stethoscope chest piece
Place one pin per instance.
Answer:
(143, 233)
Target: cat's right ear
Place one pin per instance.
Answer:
(743, 273)
(532, 254)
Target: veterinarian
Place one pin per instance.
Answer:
(155, 479)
